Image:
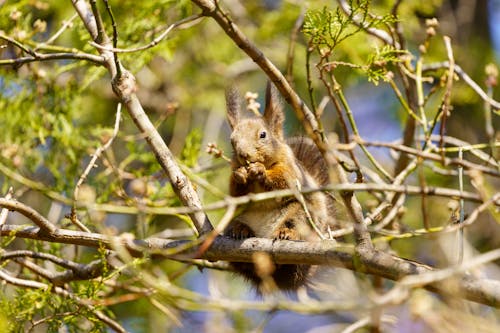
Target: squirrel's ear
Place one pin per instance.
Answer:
(273, 113)
(233, 106)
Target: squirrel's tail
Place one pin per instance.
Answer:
(287, 277)
(310, 158)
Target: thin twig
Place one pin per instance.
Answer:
(191, 19)
(18, 44)
(332, 89)
(435, 157)
(462, 211)
(91, 165)
(467, 79)
(392, 214)
(400, 291)
(445, 109)
(355, 131)
(115, 37)
(101, 37)
(66, 24)
(291, 46)
(366, 321)
(403, 101)
(5, 212)
(380, 34)
(301, 199)
(65, 263)
(53, 56)
(464, 146)
(420, 94)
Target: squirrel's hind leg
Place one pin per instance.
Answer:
(238, 230)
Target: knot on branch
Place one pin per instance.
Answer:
(208, 6)
(124, 85)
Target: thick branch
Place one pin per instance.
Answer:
(124, 86)
(45, 225)
(292, 252)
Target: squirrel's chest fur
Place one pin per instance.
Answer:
(264, 218)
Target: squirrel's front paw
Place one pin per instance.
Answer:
(287, 231)
(240, 231)
(240, 175)
(257, 171)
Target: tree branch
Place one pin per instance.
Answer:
(53, 56)
(372, 262)
(74, 271)
(380, 34)
(434, 157)
(45, 225)
(124, 86)
(467, 79)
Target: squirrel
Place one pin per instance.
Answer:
(263, 160)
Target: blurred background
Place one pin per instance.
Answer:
(55, 114)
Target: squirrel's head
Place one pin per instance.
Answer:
(256, 138)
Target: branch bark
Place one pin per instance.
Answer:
(124, 86)
(373, 262)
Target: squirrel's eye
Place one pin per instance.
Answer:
(262, 134)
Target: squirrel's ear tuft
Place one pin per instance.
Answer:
(233, 106)
(273, 113)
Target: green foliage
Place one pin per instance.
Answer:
(380, 61)
(38, 307)
(192, 146)
(43, 113)
(327, 28)
(140, 23)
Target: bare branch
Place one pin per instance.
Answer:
(91, 164)
(66, 24)
(187, 21)
(287, 252)
(36, 56)
(45, 225)
(4, 212)
(53, 56)
(430, 156)
(380, 34)
(124, 86)
(75, 271)
(467, 79)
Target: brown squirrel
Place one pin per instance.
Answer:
(264, 161)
